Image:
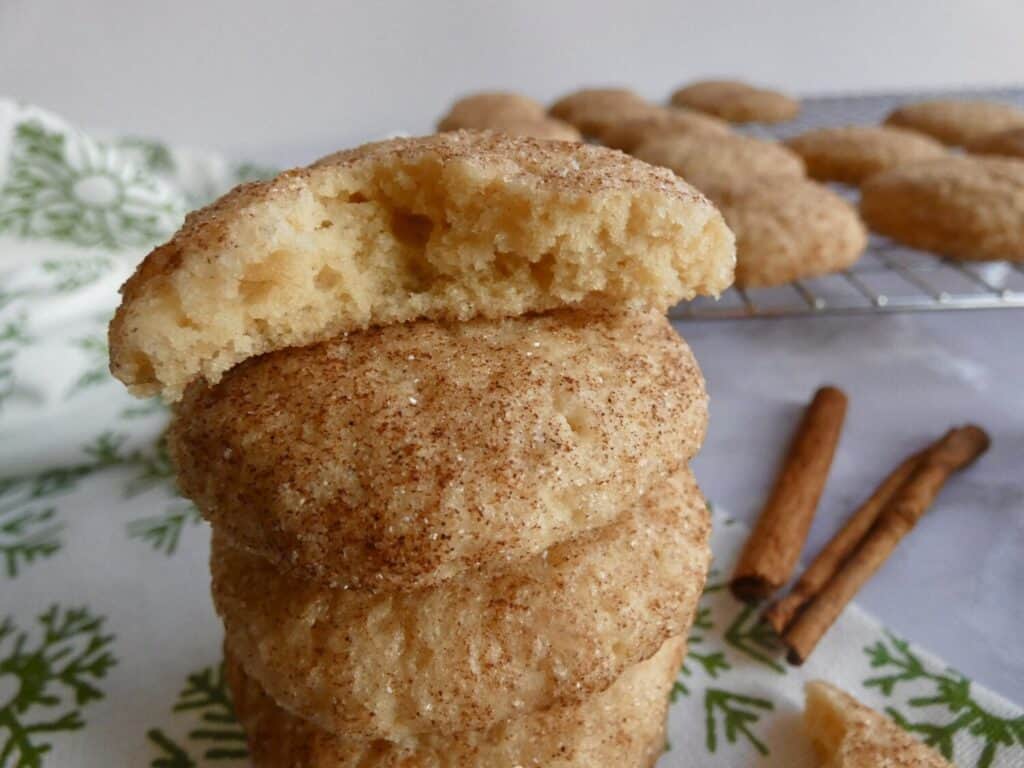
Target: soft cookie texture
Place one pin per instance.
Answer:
(847, 734)
(737, 102)
(593, 110)
(403, 455)
(1006, 143)
(969, 208)
(482, 647)
(630, 133)
(490, 109)
(706, 159)
(450, 226)
(850, 154)
(788, 228)
(622, 726)
(957, 122)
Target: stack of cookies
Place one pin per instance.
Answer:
(428, 398)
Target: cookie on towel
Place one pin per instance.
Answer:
(450, 226)
(406, 454)
(788, 228)
(957, 122)
(850, 154)
(630, 133)
(487, 109)
(847, 734)
(481, 647)
(737, 102)
(966, 207)
(622, 726)
(707, 159)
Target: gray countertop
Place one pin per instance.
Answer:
(956, 584)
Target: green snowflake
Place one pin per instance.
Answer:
(950, 691)
(65, 186)
(73, 272)
(727, 713)
(163, 532)
(14, 337)
(215, 734)
(245, 172)
(96, 372)
(30, 529)
(152, 155)
(53, 675)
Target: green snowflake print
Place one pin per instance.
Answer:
(14, 337)
(152, 155)
(65, 186)
(163, 532)
(245, 172)
(47, 678)
(729, 713)
(96, 372)
(71, 273)
(30, 525)
(214, 735)
(949, 690)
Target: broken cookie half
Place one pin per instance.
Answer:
(451, 226)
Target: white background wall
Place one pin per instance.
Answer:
(281, 79)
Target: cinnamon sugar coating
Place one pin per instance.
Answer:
(622, 726)
(406, 454)
(481, 647)
(451, 226)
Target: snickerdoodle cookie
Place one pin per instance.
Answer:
(706, 159)
(957, 122)
(405, 454)
(630, 133)
(593, 110)
(852, 153)
(478, 648)
(622, 726)
(966, 207)
(489, 109)
(737, 102)
(541, 128)
(449, 226)
(1006, 143)
(788, 228)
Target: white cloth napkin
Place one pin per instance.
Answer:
(109, 648)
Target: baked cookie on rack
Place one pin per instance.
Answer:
(957, 122)
(737, 102)
(488, 109)
(593, 110)
(965, 207)
(850, 154)
(630, 133)
(788, 229)
(708, 159)
(1004, 143)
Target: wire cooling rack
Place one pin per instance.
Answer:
(889, 277)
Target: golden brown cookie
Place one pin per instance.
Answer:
(707, 159)
(1006, 143)
(630, 133)
(450, 226)
(622, 726)
(969, 208)
(489, 109)
(852, 153)
(957, 122)
(788, 228)
(737, 102)
(403, 455)
(478, 648)
(847, 734)
(592, 110)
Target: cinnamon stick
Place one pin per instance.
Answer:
(825, 565)
(956, 450)
(771, 552)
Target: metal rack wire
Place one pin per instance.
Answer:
(889, 277)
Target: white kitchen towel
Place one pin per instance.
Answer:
(109, 647)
